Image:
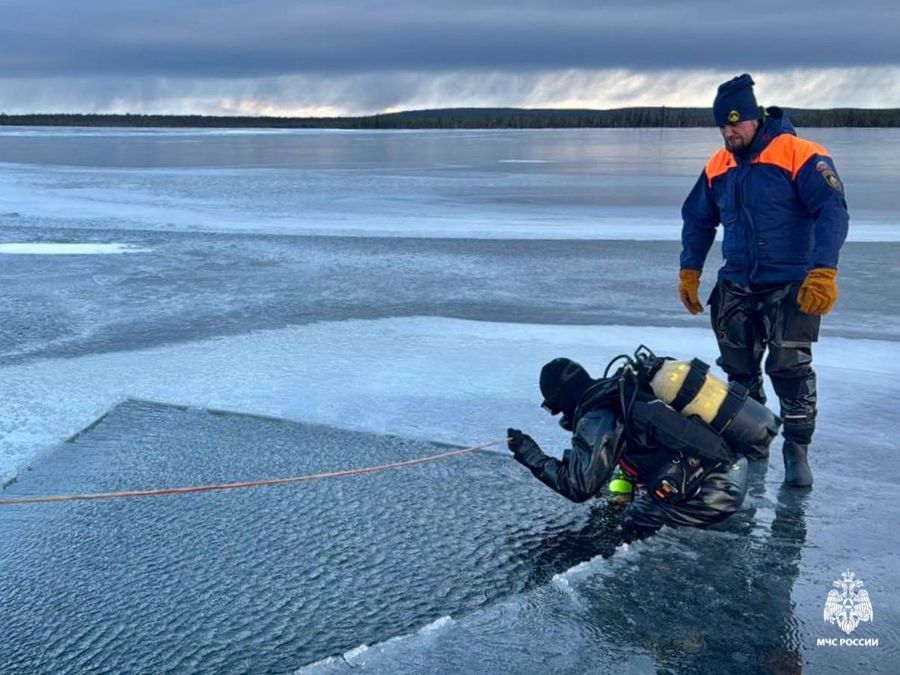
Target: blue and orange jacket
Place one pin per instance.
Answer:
(781, 203)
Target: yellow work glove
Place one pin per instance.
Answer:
(689, 290)
(819, 291)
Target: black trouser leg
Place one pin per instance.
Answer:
(741, 335)
(789, 364)
(790, 369)
(743, 366)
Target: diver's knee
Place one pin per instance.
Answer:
(727, 490)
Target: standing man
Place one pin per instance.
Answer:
(782, 205)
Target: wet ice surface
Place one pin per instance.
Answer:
(193, 286)
(687, 601)
(468, 565)
(586, 184)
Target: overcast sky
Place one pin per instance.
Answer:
(362, 56)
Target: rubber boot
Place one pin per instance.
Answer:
(796, 469)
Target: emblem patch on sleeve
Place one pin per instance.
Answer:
(829, 176)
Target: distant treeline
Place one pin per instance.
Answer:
(469, 118)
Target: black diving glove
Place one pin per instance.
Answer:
(514, 439)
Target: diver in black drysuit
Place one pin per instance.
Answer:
(673, 456)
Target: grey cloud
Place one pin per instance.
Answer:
(273, 38)
(366, 93)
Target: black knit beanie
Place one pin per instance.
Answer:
(563, 383)
(735, 101)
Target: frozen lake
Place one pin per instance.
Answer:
(400, 284)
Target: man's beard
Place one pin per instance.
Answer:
(736, 147)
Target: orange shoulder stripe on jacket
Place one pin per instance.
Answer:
(790, 153)
(719, 163)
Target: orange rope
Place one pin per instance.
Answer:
(244, 484)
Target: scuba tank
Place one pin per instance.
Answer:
(687, 386)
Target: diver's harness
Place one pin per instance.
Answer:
(726, 410)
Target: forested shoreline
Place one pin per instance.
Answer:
(467, 118)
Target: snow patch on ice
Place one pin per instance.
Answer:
(356, 657)
(68, 248)
(121, 132)
(563, 584)
(437, 624)
(355, 653)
